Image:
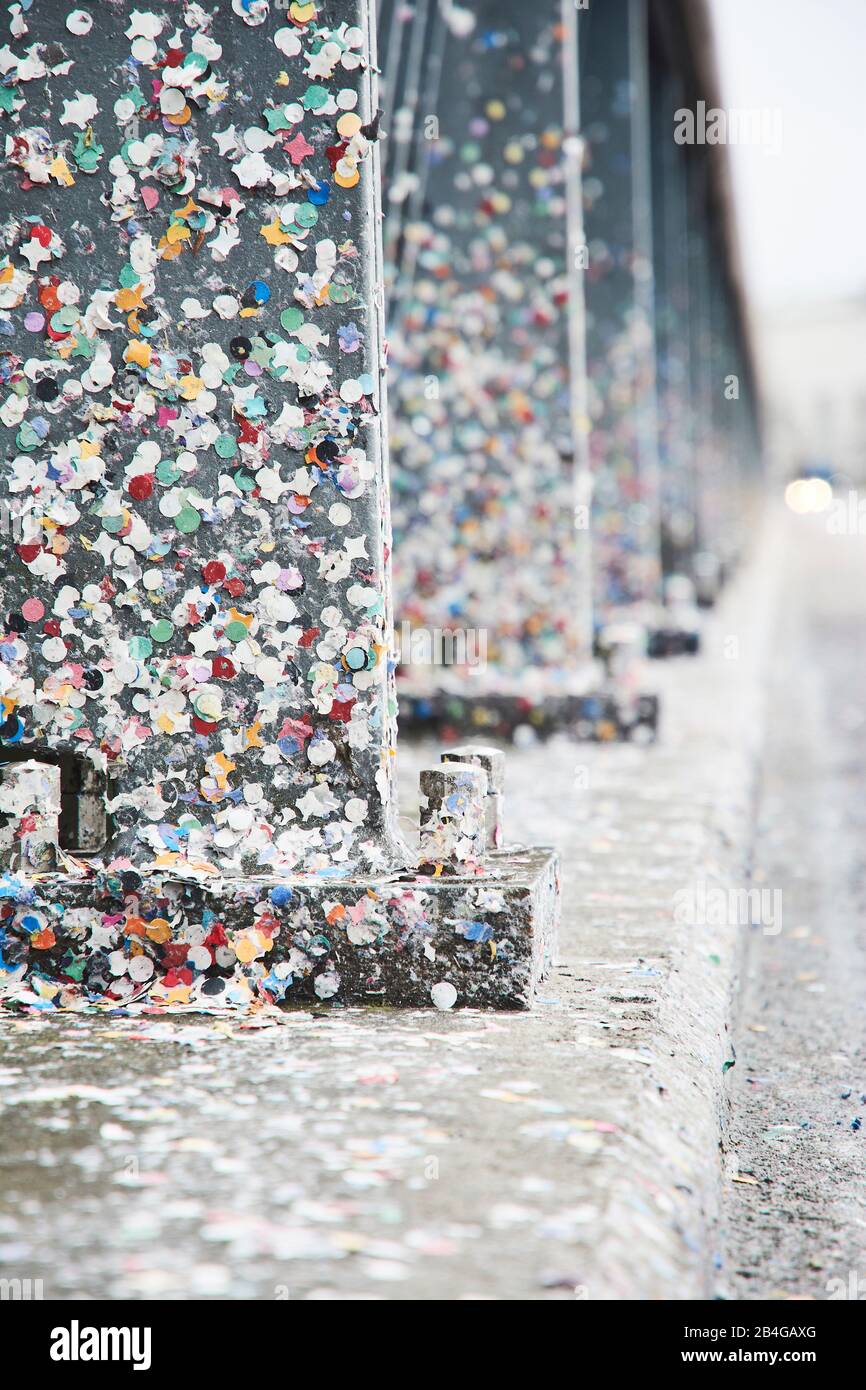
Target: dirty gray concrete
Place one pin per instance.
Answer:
(571, 1152)
(795, 1208)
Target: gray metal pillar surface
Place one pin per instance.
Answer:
(672, 309)
(711, 364)
(488, 428)
(193, 410)
(617, 186)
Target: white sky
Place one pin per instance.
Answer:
(801, 213)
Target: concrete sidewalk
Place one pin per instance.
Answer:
(568, 1152)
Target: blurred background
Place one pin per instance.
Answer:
(801, 219)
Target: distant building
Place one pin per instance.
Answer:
(813, 359)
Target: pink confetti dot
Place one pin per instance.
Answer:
(33, 609)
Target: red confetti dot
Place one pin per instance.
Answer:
(235, 587)
(213, 572)
(141, 487)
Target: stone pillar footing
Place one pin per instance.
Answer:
(122, 938)
(673, 641)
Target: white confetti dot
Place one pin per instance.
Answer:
(79, 22)
(350, 391)
(54, 649)
(138, 152)
(287, 42)
(143, 50)
(171, 101)
(444, 995)
(269, 670)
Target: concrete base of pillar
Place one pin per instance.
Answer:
(118, 938)
(673, 641)
(594, 717)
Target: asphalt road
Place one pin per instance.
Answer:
(795, 1151)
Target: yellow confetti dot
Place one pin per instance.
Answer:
(191, 387)
(349, 124)
(159, 929)
(137, 352)
(177, 232)
(246, 950)
(59, 170)
(253, 737)
(127, 299)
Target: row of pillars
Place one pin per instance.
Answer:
(196, 594)
(574, 430)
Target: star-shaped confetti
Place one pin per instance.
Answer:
(273, 233)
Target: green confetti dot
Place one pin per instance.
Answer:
(129, 277)
(140, 648)
(88, 160)
(315, 97)
(226, 446)
(291, 319)
(27, 438)
(166, 472)
(64, 319)
(236, 631)
(162, 630)
(187, 520)
(306, 215)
